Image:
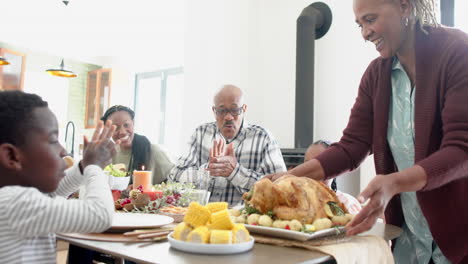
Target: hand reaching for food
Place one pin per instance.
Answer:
(377, 195)
(273, 177)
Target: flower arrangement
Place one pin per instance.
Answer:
(173, 194)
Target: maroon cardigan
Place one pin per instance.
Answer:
(441, 135)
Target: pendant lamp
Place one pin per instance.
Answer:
(3, 61)
(61, 72)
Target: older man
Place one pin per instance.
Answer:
(236, 153)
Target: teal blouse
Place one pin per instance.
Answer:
(415, 245)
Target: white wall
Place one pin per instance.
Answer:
(252, 44)
(53, 90)
(249, 43)
(216, 53)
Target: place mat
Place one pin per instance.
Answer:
(356, 249)
(114, 237)
(283, 242)
(107, 237)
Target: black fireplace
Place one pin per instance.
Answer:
(313, 23)
(293, 156)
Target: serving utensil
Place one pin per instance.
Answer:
(148, 231)
(154, 235)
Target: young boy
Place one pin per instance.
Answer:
(34, 184)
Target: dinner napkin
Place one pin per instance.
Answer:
(360, 249)
(356, 249)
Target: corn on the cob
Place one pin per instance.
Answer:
(221, 237)
(200, 234)
(216, 207)
(221, 220)
(181, 231)
(238, 226)
(240, 234)
(197, 215)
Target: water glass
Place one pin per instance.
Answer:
(200, 178)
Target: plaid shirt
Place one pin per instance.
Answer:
(256, 151)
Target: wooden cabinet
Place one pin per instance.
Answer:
(12, 75)
(97, 96)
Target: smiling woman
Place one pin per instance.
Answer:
(410, 113)
(136, 151)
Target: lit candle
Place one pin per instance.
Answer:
(142, 178)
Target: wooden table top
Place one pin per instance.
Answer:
(161, 252)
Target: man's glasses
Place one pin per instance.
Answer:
(224, 111)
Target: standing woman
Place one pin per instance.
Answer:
(136, 150)
(411, 112)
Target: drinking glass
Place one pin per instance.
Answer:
(200, 178)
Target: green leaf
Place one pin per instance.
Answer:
(251, 210)
(270, 213)
(335, 208)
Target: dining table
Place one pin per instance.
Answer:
(161, 251)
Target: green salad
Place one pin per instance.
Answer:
(114, 171)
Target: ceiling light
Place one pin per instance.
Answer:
(3, 61)
(61, 72)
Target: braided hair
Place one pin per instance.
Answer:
(16, 115)
(141, 146)
(423, 13)
(326, 144)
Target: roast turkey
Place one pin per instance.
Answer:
(291, 197)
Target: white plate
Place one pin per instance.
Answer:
(211, 249)
(177, 217)
(295, 235)
(125, 221)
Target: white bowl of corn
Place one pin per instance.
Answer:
(210, 230)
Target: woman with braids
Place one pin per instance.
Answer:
(411, 112)
(136, 150)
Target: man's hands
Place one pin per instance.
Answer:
(101, 148)
(379, 192)
(222, 159)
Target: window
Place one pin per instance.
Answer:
(158, 111)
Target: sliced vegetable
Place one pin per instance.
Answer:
(328, 210)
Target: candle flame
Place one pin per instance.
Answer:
(142, 167)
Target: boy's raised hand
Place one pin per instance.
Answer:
(101, 148)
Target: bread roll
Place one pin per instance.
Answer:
(69, 161)
(120, 166)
